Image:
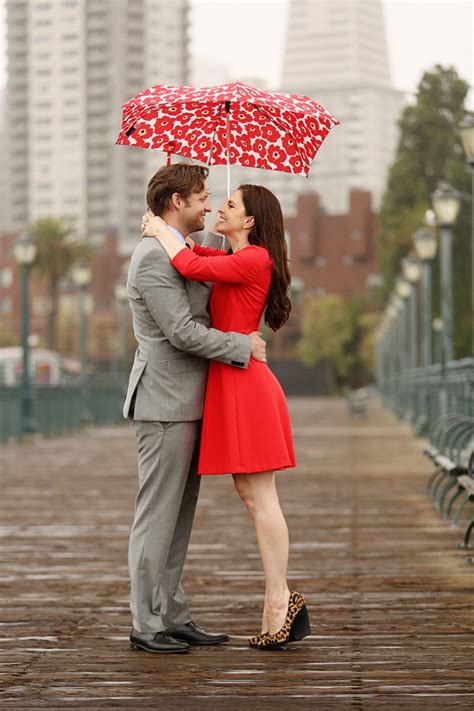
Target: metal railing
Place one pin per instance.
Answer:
(421, 395)
(59, 409)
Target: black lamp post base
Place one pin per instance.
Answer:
(29, 426)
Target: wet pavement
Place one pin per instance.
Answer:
(389, 595)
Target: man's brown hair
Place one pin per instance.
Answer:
(179, 178)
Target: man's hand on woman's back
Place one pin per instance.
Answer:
(259, 347)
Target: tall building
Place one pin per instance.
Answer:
(336, 53)
(3, 162)
(71, 65)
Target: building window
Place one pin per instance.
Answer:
(6, 306)
(41, 305)
(320, 292)
(320, 261)
(6, 277)
(348, 260)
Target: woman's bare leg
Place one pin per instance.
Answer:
(259, 494)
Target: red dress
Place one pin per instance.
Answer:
(246, 426)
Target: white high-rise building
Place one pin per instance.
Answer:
(336, 53)
(3, 163)
(71, 65)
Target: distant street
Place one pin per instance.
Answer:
(389, 595)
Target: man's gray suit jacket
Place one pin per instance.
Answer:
(171, 324)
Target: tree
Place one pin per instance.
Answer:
(326, 332)
(340, 333)
(429, 151)
(57, 251)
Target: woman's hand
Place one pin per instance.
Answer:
(145, 219)
(190, 241)
(155, 227)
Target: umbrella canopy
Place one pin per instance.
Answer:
(232, 123)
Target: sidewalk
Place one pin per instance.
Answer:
(390, 596)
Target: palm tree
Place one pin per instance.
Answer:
(57, 250)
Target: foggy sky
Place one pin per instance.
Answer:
(245, 38)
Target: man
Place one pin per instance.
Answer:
(165, 400)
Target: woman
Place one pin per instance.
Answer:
(246, 427)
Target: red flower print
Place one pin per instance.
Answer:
(289, 144)
(162, 124)
(261, 163)
(259, 146)
(324, 121)
(259, 118)
(270, 134)
(243, 142)
(143, 132)
(203, 146)
(248, 160)
(253, 129)
(160, 139)
(179, 132)
(296, 163)
(313, 125)
(276, 155)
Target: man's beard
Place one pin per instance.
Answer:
(195, 225)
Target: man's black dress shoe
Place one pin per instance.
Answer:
(161, 643)
(191, 634)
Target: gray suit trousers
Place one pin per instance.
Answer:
(164, 513)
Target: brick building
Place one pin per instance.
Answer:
(333, 254)
(330, 254)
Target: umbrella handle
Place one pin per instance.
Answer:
(227, 118)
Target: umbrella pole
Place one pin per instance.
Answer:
(227, 117)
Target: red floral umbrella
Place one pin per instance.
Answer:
(232, 123)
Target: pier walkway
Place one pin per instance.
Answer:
(389, 595)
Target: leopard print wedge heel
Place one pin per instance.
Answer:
(295, 627)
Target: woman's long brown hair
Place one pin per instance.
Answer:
(269, 232)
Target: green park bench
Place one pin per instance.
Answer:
(451, 450)
(357, 402)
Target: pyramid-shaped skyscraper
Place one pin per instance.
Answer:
(336, 53)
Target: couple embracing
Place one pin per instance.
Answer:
(203, 400)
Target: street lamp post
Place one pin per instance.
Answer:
(438, 330)
(412, 273)
(446, 204)
(24, 252)
(81, 275)
(425, 243)
(121, 297)
(403, 290)
(391, 341)
(443, 398)
(398, 332)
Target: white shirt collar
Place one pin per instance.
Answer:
(176, 233)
